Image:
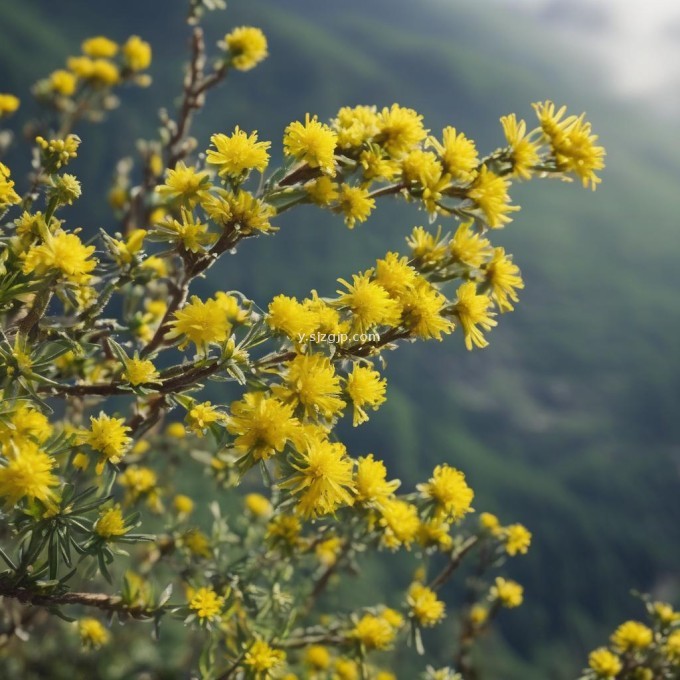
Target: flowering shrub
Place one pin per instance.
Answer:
(639, 651)
(108, 359)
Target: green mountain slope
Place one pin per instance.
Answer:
(568, 421)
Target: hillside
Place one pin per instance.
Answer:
(567, 422)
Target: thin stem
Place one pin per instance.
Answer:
(454, 562)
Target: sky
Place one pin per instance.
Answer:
(636, 42)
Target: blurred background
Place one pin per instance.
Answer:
(569, 421)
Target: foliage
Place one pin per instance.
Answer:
(326, 508)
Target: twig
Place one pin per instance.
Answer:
(454, 562)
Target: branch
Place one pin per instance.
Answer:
(110, 603)
(454, 562)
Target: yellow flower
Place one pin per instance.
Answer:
(366, 388)
(435, 533)
(422, 307)
(80, 66)
(138, 481)
(238, 154)
(490, 523)
(230, 306)
(139, 371)
(28, 474)
(371, 481)
(472, 311)
(323, 478)
(109, 436)
(156, 265)
(449, 491)
(421, 166)
(399, 129)
(176, 430)
(400, 523)
(580, 155)
(377, 166)
(317, 657)
(207, 604)
(311, 382)
(258, 505)
(23, 425)
(393, 617)
(104, 73)
(395, 275)
(63, 253)
(664, 612)
(509, 593)
(64, 189)
(140, 447)
(326, 318)
(327, 551)
(261, 659)
(632, 635)
(8, 196)
(346, 669)
(605, 663)
(81, 461)
(322, 190)
(524, 153)
(247, 47)
(312, 143)
(136, 53)
(672, 647)
(468, 247)
(572, 142)
(286, 528)
(125, 251)
(458, 154)
(190, 232)
(185, 183)
(517, 539)
(262, 425)
(291, 317)
(201, 415)
(355, 203)
(63, 82)
(182, 504)
(427, 248)
(242, 209)
(93, 635)
(197, 543)
(425, 607)
(373, 632)
(552, 123)
(504, 278)
(202, 323)
(369, 303)
(478, 615)
(490, 193)
(111, 523)
(8, 104)
(99, 46)
(355, 125)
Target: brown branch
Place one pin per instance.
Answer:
(186, 377)
(322, 582)
(177, 299)
(454, 562)
(110, 603)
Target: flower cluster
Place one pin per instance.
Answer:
(640, 650)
